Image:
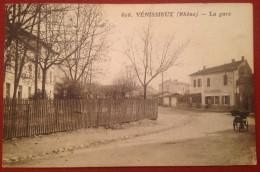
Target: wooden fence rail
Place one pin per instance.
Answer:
(35, 117)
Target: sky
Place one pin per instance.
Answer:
(214, 39)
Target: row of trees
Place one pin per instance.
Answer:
(71, 37)
(74, 38)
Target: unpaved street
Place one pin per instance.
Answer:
(204, 138)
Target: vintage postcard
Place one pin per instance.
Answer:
(112, 85)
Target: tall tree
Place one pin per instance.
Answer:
(149, 59)
(20, 22)
(65, 39)
(80, 65)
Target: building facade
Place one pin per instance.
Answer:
(220, 88)
(26, 86)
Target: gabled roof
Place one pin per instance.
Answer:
(225, 67)
(30, 40)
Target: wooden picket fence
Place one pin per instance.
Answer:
(24, 118)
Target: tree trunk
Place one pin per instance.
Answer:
(145, 86)
(44, 73)
(37, 55)
(16, 79)
(15, 89)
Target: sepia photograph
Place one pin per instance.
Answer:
(128, 85)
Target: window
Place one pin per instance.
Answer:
(216, 100)
(194, 83)
(208, 100)
(199, 82)
(29, 91)
(225, 79)
(208, 82)
(212, 100)
(7, 90)
(20, 88)
(226, 100)
(30, 70)
(8, 63)
(8, 67)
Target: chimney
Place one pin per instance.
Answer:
(233, 60)
(243, 58)
(204, 67)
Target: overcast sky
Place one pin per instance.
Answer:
(214, 40)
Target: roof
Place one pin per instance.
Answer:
(159, 94)
(175, 82)
(30, 40)
(225, 67)
(173, 95)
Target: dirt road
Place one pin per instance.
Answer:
(204, 138)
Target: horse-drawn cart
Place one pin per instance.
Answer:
(240, 120)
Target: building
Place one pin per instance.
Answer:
(174, 87)
(227, 86)
(26, 86)
(171, 99)
(171, 91)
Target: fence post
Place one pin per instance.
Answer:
(28, 118)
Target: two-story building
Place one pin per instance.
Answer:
(227, 86)
(26, 85)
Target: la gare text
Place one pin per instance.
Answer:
(173, 14)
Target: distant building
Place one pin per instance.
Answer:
(171, 91)
(171, 99)
(227, 86)
(175, 87)
(138, 92)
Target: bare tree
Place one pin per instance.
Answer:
(125, 82)
(19, 18)
(20, 21)
(59, 33)
(81, 65)
(148, 59)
